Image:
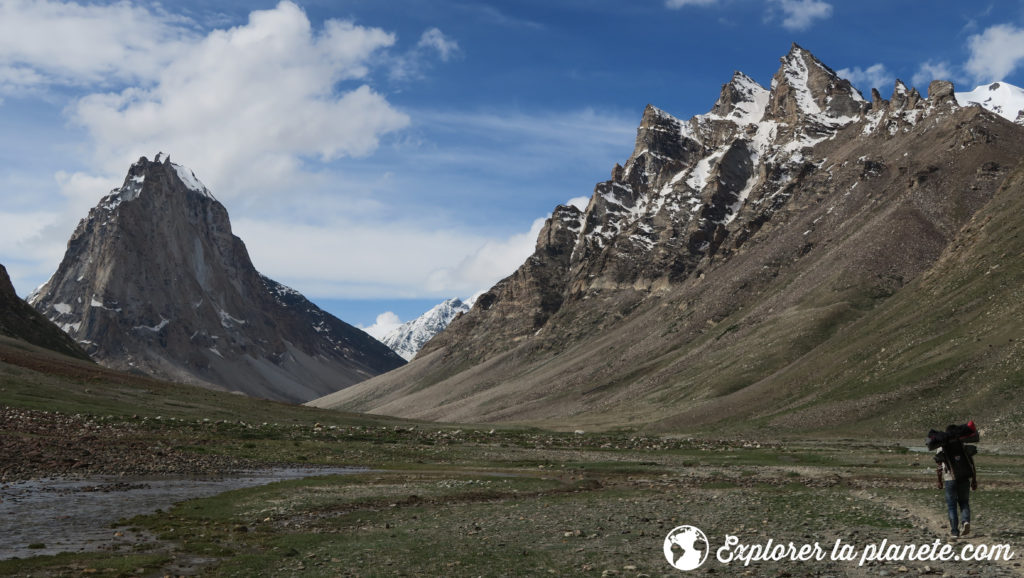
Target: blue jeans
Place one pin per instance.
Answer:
(958, 493)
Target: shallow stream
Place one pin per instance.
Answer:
(50, 516)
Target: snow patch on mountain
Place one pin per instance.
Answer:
(1004, 99)
(188, 177)
(408, 338)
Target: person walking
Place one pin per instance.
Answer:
(957, 475)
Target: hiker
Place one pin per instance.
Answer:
(956, 474)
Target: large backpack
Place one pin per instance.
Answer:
(966, 433)
(957, 456)
(955, 453)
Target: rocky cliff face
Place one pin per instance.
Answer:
(154, 281)
(20, 321)
(729, 248)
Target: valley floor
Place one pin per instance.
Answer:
(511, 502)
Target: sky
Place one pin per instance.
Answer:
(380, 157)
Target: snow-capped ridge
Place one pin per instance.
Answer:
(702, 171)
(715, 237)
(408, 338)
(742, 100)
(134, 182)
(698, 175)
(188, 177)
(1002, 98)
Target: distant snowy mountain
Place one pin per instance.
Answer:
(1004, 99)
(407, 339)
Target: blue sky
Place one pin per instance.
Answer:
(382, 156)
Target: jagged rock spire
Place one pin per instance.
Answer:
(742, 99)
(153, 280)
(805, 87)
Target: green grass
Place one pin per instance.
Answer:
(468, 501)
(535, 503)
(93, 564)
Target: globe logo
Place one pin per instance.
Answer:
(686, 548)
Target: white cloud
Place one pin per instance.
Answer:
(247, 108)
(82, 190)
(35, 241)
(995, 53)
(31, 243)
(20, 80)
(797, 14)
(681, 3)
(244, 106)
(800, 14)
(492, 262)
(348, 259)
(18, 227)
(411, 64)
(493, 15)
(358, 260)
(386, 323)
(46, 42)
(436, 39)
(585, 134)
(874, 76)
(930, 71)
(579, 202)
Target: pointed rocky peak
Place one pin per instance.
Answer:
(877, 102)
(914, 98)
(160, 176)
(904, 97)
(804, 87)
(187, 177)
(660, 136)
(561, 230)
(153, 280)
(656, 119)
(617, 173)
(941, 91)
(742, 100)
(657, 128)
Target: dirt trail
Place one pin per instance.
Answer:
(934, 520)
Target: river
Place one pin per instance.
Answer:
(53, 515)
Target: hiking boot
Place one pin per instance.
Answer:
(965, 529)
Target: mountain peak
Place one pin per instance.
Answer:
(805, 88)
(1002, 98)
(904, 97)
(153, 280)
(742, 100)
(723, 264)
(162, 175)
(408, 338)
